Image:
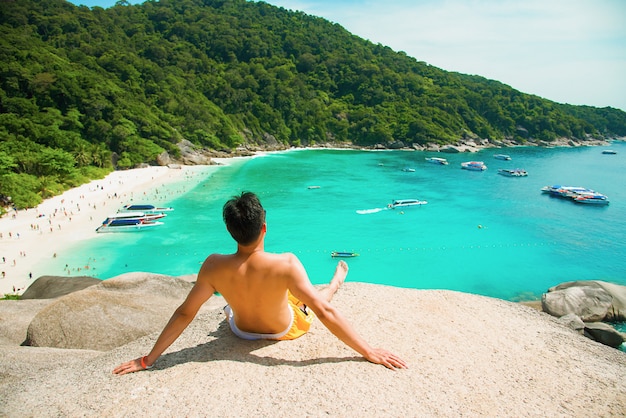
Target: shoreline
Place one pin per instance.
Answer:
(29, 237)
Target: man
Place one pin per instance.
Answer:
(269, 295)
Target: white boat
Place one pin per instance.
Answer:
(144, 208)
(408, 169)
(609, 151)
(577, 194)
(474, 165)
(400, 203)
(517, 172)
(565, 191)
(592, 199)
(502, 157)
(125, 225)
(137, 215)
(437, 160)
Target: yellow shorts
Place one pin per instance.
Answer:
(301, 320)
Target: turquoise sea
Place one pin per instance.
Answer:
(480, 232)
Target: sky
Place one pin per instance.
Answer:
(567, 51)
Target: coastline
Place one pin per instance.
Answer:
(29, 237)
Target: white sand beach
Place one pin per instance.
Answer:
(30, 237)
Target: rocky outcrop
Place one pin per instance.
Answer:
(49, 287)
(583, 305)
(588, 303)
(468, 355)
(592, 300)
(109, 314)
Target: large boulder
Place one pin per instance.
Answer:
(591, 300)
(49, 287)
(109, 314)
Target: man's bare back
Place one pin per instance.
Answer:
(256, 287)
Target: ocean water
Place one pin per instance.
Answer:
(480, 232)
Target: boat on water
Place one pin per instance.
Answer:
(343, 254)
(144, 208)
(517, 172)
(126, 225)
(437, 160)
(565, 191)
(592, 199)
(609, 151)
(502, 157)
(137, 215)
(401, 203)
(577, 194)
(474, 166)
(408, 169)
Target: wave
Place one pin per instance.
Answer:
(368, 211)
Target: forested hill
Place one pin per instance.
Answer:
(83, 91)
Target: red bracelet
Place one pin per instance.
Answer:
(143, 363)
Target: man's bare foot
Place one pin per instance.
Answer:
(341, 271)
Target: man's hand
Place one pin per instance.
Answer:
(129, 367)
(387, 359)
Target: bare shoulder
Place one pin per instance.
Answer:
(213, 263)
(283, 260)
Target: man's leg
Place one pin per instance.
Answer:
(341, 271)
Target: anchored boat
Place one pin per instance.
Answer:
(400, 203)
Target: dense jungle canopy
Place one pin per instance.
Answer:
(84, 90)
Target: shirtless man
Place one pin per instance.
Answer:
(269, 295)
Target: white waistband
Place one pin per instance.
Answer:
(254, 335)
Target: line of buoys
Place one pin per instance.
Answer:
(361, 251)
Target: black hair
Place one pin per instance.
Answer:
(244, 217)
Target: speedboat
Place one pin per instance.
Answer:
(565, 191)
(137, 215)
(502, 157)
(518, 172)
(343, 254)
(474, 165)
(144, 208)
(125, 225)
(577, 194)
(408, 169)
(437, 160)
(400, 203)
(592, 198)
(609, 151)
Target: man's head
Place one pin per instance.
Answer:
(244, 217)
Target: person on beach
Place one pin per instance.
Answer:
(269, 295)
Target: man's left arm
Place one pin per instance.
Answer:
(182, 317)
